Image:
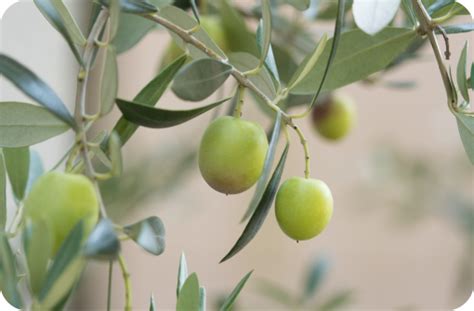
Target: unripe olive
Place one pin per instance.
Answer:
(334, 117)
(303, 207)
(232, 154)
(61, 200)
(213, 26)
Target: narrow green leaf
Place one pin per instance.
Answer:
(466, 131)
(114, 19)
(188, 299)
(299, 4)
(109, 84)
(35, 88)
(258, 217)
(266, 29)
(460, 28)
(152, 303)
(160, 118)
(461, 73)
(37, 246)
(275, 292)
(202, 299)
(17, 161)
(308, 64)
(69, 23)
(103, 243)
(200, 79)
(149, 234)
(195, 10)
(269, 61)
(267, 168)
(438, 5)
(134, 6)
(65, 270)
(337, 301)
(350, 64)
(314, 278)
(182, 273)
(50, 11)
(9, 273)
(149, 96)
(472, 77)
(23, 125)
(3, 193)
(229, 302)
(115, 154)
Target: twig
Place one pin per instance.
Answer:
(126, 280)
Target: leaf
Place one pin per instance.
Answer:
(152, 303)
(438, 5)
(33, 87)
(115, 154)
(65, 270)
(17, 162)
(472, 77)
(23, 125)
(315, 276)
(3, 196)
(277, 293)
(160, 118)
(36, 169)
(67, 28)
(9, 273)
(114, 19)
(266, 31)
(188, 299)
(308, 64)
(466, 130)
(103, 243)
(149, 96)
(269, 61)
(460, 28)
(195, 10)
(229, 302)
(461, 74)
(182, 273)
(373, 15)
(258, 217)
(134, 6)
(109, 81)
(299, 4)
(202, 299)
(351, 65)
(267, 167)
(37, 245)
(200, 79)
(337, 301)
(149, 234)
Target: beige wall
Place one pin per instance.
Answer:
(388, 266)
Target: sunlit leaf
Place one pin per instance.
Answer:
(17, 162)
(103, 243)
(373, 15)
(188, 299)
(182, 273)
(258, 217)
(160, 118)
(229, 301)
(149, 234)
(461, 73)
(35, 88)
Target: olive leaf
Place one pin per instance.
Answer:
(189, 296)
(103, 243)
(17, 162)
(337, 301)
(115, 154)
(266, 31)
(202, 299)
(258, 217)
(466, 131)
(152, 303)
(461, 73)
(314, 278)
(9, 273)
(23, 125)
(453, 29)
(36, 169)
(195, 10)
(35, 88)
(229, 301)
(133, 6)
(109, 81)
(299, 4)
(59, 17)
(200, 79)
(182, 273)
(160, 118)
(114, 18)
(471, 78)
(3, 194)
(149, 234)
(373, 15)
(267, 167)
(149, 96)
(269, 60)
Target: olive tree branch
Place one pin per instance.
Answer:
(126, 280)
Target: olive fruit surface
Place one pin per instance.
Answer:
(334, 117)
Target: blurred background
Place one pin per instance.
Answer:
(401, 237)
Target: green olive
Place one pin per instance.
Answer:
(334, 117)
(232, 154)
(303, 207)
(61, 200)
(213, 26)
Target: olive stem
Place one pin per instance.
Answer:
(109, 287)
(307, 158)
(126, 280)
(16, 221)
(240, 102)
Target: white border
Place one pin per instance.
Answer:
(4, 5)
(469, 5)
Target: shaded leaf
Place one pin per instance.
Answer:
(23, 125)
(466, 131)
(3, 195)
(202, 299)
(188, 299)
(461, 74)
(149, 234)
(149, 96)
(267, 168)
(9, 273)
(35, 88)
(351, 61)
(200, 79)
(337, 301)
(17, 162)
(229, 301)
(103, 243)
(134, 6)
(109, 81)
(182, 273)
(160, 118)
(269, 60)
(315, 276)
(59, 17)
(114, 18)
(152, 303)
(115, 154)
(195, 10)
(299, 4)
(373, 15)
(460, 28)
(258, 217)
(277, 293)
(265, 38)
